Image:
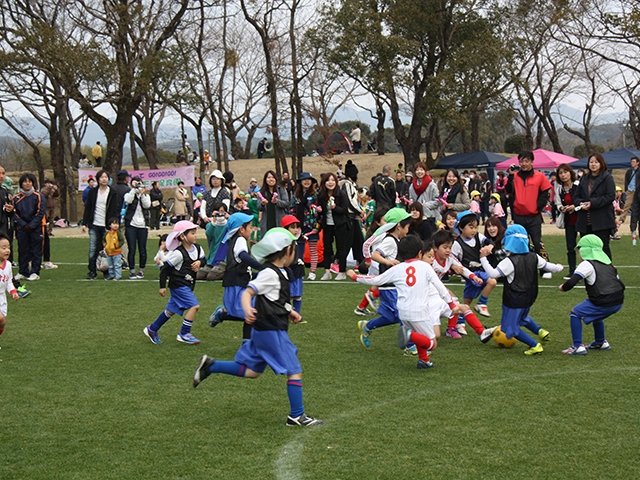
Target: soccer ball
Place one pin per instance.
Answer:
(501, 339)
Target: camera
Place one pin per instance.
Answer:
(514, 168)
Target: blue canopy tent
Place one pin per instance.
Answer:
(481, 159)
(620, 158)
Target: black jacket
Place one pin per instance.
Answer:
(383, 191)
(113, 210)
(340, 212)
(603, 192)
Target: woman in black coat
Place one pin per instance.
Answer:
(594, 195)
(335, 223)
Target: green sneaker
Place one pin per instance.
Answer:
(364, 333)
(543, 335)
(534, 350)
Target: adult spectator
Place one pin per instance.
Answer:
(486, 189)
(96, 152)
(501, 184)
(214, 211)
(424, 190)
(262, 147)
(100, 207)
(567, 218)
(383, 189)
(181, 196)
(304, 208)
(136, 219)
(355, 239)
(121, 188)
(475, 182)
(6, 212)
(50, 192)
(356, 140)
(197, 188)
(288, 184)
(335, 224)
(230, 183)
(402, 187)
(420, 225)
(454, 195)
(529, 191)
(273, 202)
(630, 183)
(29, 208)
(595, 194)
(156, 197)
(91, 183)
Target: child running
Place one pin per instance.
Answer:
(412, 278)
(443, 261)
(6, 276)
(467, 249)
(269, 344)
(384, 253)
(604, 289)
(183, 262)
(520, 270)
(237, 273)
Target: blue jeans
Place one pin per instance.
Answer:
(136, 236)
(115, 266)
(96, 234)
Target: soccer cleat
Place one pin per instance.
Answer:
(202, 370)
(599, 346)
(362, 311)
(486, 334)
(33, 276)
(215, 319)
(341, 276)
(533, 350)
(404, 336)
(364, 333)
(187, 338)
(303, 421)
(326, 276)
(411, 351)
(575, 350)
(372, 300)
(544, 335)
(462, 330)
(547, 275)
(451, 332)
(422, 365)
(153, 336)
(23, 292)
(482, 309)
(19, 276)
(312, 276)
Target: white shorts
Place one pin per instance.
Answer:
(3, 304)
(423, 327)
(438, 308)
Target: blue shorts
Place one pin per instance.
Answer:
(589, 312)
(513, 319)
(389, 305)
(295, 288)
(182, 298)
(471, 288)
(232, 301)
(272, 348)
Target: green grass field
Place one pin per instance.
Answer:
(85, 395)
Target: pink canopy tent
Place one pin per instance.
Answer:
(541, 159)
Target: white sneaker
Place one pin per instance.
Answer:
(19, 276)
(341, 276)
(326, 276)
(547, 276)
(462, 330)
(312, 276)
(33, 277)
(482, 309)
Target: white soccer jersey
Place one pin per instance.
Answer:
(412, 280)
(6, 285)
(441, 269)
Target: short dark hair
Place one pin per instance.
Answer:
(525, 154)
(4, 236)
(409, 247)
(441, 237)
(568, 168)
(427, 246)
(113, 220)
(28, 176)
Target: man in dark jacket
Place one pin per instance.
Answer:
(383, 189)
(121, 188)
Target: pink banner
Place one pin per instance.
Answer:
(166, 177)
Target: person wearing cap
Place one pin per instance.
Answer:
(183, 262)
(253, 187)
(156, 196)
(292, 224)
(304, 206)
(269, 344)
(273, 202)
(6, 215)
(496, 210)
(101, 205)
(136, 219)
(520, 270)
(474, 206)
(237, 272)
(605, 292)
(396, 227)
(214, 210)
(121, 188)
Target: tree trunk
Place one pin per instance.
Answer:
(465, 141)
(381, 116)
(475, 131)
(132, 146)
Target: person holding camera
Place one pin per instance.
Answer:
(136, 218)
(529, 191)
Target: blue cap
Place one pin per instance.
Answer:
(234, 222)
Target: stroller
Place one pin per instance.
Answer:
(166, 212)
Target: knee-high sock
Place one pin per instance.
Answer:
(526, 339)
(473, 322)
(229, 368)
(160, 321)
(598, 331)
(1, 330)
(297, 305)
(294, 391)
(576, 328)
(483, 300)
(186, 326)
(364, 303)
(453, 321)
(530, 324)
(423, 343)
